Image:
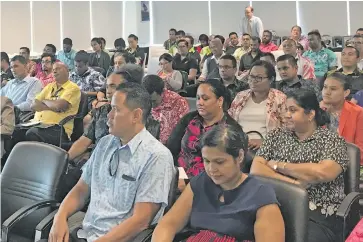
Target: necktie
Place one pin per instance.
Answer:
(249, 27)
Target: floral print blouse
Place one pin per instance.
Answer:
(283, 145)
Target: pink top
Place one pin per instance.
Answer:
(268, 48)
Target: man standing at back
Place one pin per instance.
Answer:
(127, 178)
(251, 24)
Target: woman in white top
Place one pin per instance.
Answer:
(260, 108)
(173, 79)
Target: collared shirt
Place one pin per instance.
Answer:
(355, 79)
(206, 71)
(238, 53)
(69, 92)
(190, 156)
(172, 108)
(44, 78)
(323, 60)
(90, 81)
(7, 75)
(298, 83)
(185, 64)
(22, 92)
(168, 44)
(256, 26)
(67, 58)
(268, 48)
(236, 87)
(305, 69)
(143, 170)
(247, 60)
(283, 145)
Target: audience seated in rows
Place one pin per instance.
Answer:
(171, 41)
(67, 55)
(120, 58)
(45, 76)
(346, 118)
(135, 50)
(232, 43)
(288, 70)
(305, 67)
(267, 45)
(6, 73)
(7, 121)
(23, 88)
(173, 79)
(253, 55)
(55, 102)
(167, 106)
(130, 191)
(350, 58)
(99, 58)
(213, 101)
(245, 47)
(183, 61)
(210, 66)
(324, 59)
(261, 108)
(222, 203)
(311, 156)
(89, 81)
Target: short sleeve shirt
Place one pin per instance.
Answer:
(283, 145)
(98, 127)
(234, 217)
(186, 64)
(143, 170)
(323, 60)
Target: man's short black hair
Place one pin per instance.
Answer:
(316, 33)
(292, 61)
(103, 39)
(136, 97)
(120, 42)
(153, 83)
(26, 49)
(255, 38)
(52, 57)
(220, 37)
(268, 31)
(172, 30)
(232, 33)
(81, 56)
(191, 39)
(19, 58)
(353, 47)
(4, 56)
(54, 49)
(131, 72)
(134, 37)
(231, 58)
(67, 41)
(180, 32)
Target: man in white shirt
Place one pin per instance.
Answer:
(250, 24)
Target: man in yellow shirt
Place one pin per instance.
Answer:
(56, 101)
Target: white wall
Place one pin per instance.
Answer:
(38, 23)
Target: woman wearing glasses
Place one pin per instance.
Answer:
(172, 78)
(260, 108)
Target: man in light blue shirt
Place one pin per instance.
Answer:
(250, 24)
(23, 89)
(67, 55)
(127, 178)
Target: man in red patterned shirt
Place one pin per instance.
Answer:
(168, 106)
(45, 76)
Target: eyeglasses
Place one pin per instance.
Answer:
(252, 78)
(356, 42)
(225, 67)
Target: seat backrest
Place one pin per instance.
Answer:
(294, 206)
(351, 176)
(192, 101)
(31, 174)
(172, 191)
(78, 121)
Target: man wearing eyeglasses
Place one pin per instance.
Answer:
(291, 81)
(127, 178)
(45, 76)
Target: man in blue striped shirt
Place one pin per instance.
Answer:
(23, 89)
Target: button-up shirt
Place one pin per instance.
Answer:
(90, 81)
(171, 109)
(268, 48)
(256, 26)
(44, 78)
(22, 92)
(298, 83)
(323, 60)
(67, 58)
(143, 170)
(247, 60)
(238, 53)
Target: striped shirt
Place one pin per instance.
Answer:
(22, 92)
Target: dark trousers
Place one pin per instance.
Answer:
(72, 237)
(322, 228)
(49, 135)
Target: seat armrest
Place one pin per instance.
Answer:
(44, 225)
(21, 213)
(348, 213)
(144, 236)
(66, 120)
